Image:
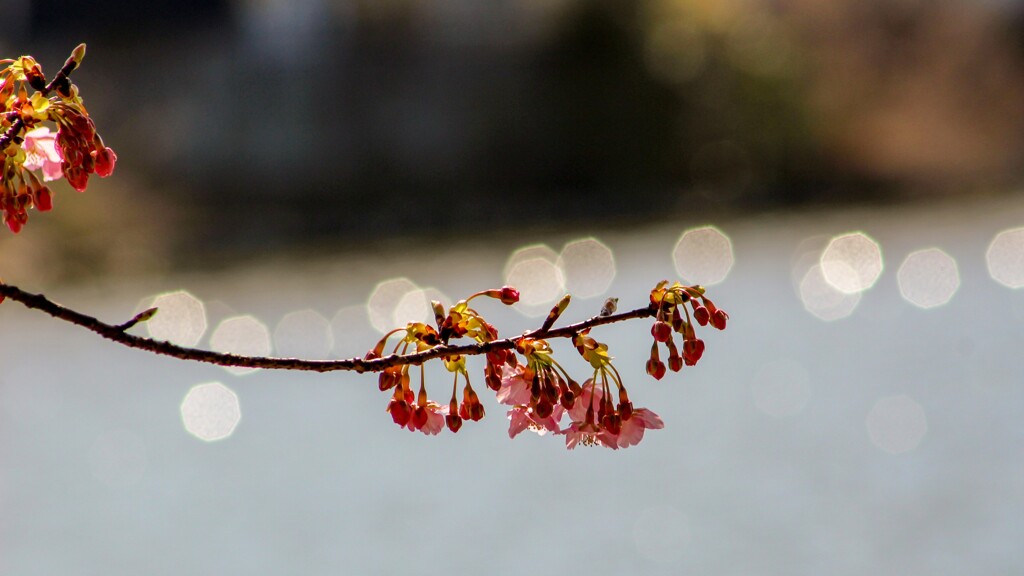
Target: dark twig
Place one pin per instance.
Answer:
(117, 334)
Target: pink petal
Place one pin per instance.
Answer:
(435, 422)
(632, 433)
(649, 419)
(514, 388)
(578, 412)
(519, 421)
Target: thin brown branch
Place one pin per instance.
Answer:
(117, 334)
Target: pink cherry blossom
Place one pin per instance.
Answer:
(588, 435)
(514, 388)
(578, 412)
(633, 429)
(41, 152)
(428, 419)
(523, 418)
(590, 432)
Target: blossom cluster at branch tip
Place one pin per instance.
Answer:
(668, 301)
(73, 152)
(528, 379)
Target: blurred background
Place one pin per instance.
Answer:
(296, 177)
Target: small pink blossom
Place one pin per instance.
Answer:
(514, 388)
(428, 419)
(588, 430)
(523, 418)
(578, 412)
(41, 152)
(633, 429)
(588, 435)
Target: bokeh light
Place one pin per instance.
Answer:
(210, 411)
(351, 329)
(243, 335)
(181, 318)
(118, 458)
(928, 278)
(1005, 258)
(896, 424)
(822, 299)
(415, 306)
(385, 305)
(588, 266)
(661, 534)
(534, 272)
(303, 334)
(703, 256)
(781, 388)
(530, 252)
(852, 262)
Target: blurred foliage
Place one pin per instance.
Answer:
(351, 120)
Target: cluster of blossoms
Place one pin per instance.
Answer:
(669, 300)
(526, 377)
(74, 151)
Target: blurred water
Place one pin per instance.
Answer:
(885, 442)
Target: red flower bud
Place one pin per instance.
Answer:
(419, 418)
(76, 176)
(388, 379)
(656, 368)
(13, 222)
(43, 199)
(454, 422)
(661, 331)
(675, 363)
(701, 315)
(105, 160)
(568, 399)
(544, 408)
(692, 351)
(718, 319)
(509, 295)
(400, 411)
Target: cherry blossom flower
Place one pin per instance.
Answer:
(524, 418)
(41, 152)
(588, 434)
(429, 418)
(514, 388)
(632, 431)
(629, 423)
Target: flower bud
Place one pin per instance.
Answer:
(507, 294)
(43, 199)
(419, 418)
(692, 351)
(675, 361)
(544, 408)
(568, 399)
(701, 315)
(718, 319)
(104, 161)
(400, 411)
(656, 368)
(454, 422)
(661, 331)
(78, 54)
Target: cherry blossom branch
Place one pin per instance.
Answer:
(62, 76)
(118, 333)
